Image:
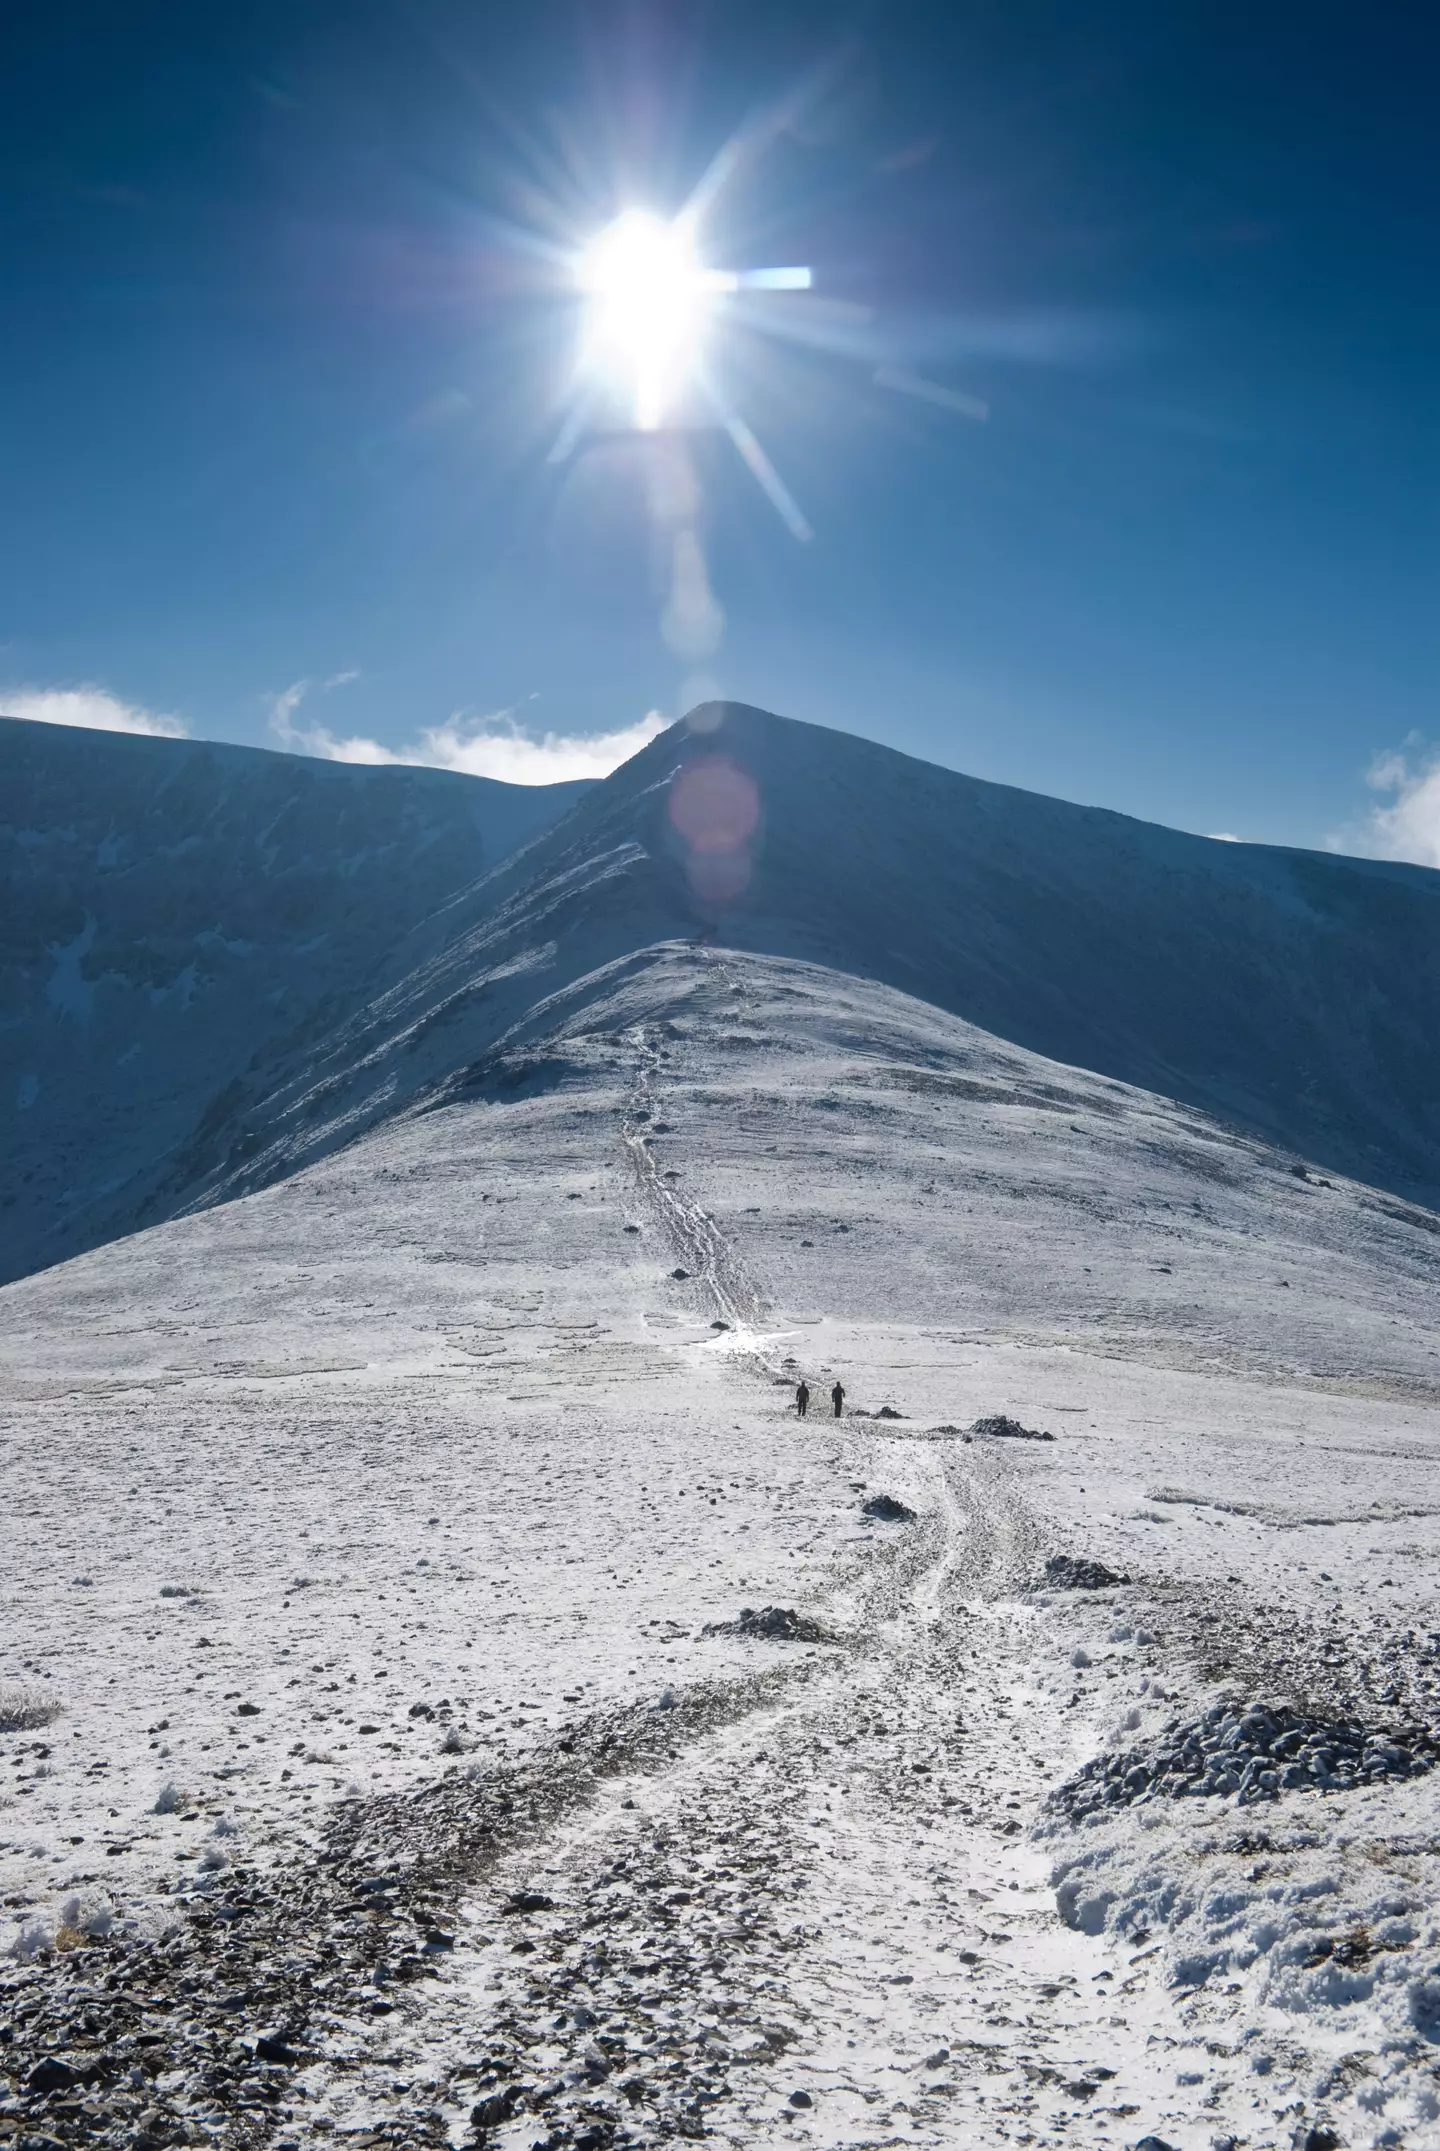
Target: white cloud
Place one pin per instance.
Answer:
(1409, 826)
(1224, 836)
(283, 707)
(90, 707)
(1390, 771)
(496, 747)
(493, 746)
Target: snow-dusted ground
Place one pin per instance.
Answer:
(436, 1427)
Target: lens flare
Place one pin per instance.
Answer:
(714, 809)
(666, 338)
(714, 804)
(650, 297)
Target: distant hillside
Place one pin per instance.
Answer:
(1294, 993)
(169, 911)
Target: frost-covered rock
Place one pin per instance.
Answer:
(1251, 1751)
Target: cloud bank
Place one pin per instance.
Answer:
(1409, 826)
(492, 746)
(90, 707)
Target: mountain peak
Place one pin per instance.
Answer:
(1292, 993)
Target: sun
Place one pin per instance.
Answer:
(653, 307)
(650, 298)
(665, 336)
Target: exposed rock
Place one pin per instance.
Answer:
(780, 1624)
(276, 2050)
(488, 2113)
(1251, 1751)
(51, 2074)
(1068, 1572)
(885, 1509)
(999, 1427)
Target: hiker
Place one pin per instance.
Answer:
(802, 1399)
(837, 1398)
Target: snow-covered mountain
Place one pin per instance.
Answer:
(389, 1756)
(170, 910)
(449, 1694)
(1294, 993)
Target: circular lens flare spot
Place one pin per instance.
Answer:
(715, 810)
(714, 805)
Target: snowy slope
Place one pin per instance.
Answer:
(167, 910)
(1293, 993)
(385, 1756)
(381, 1516)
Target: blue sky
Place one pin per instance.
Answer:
(289, 333)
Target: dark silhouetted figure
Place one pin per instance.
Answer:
(837, 1398)
(802, 1400)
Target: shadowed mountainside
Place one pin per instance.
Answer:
(1294, 993)
(168, 910)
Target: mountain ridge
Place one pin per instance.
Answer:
(1291, 993)
(1274, 988)
(173, 906)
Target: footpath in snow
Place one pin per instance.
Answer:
(389, 1759)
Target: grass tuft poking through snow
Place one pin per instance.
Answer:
(27, 1710)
